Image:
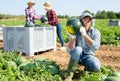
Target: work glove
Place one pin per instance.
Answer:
(82, 31)
(46, 22)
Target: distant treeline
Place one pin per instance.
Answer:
(107, 15)
(8, 16)
(99, 15)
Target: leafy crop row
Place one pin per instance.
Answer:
(110, 35)
(15, 67)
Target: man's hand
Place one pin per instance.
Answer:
(82, 31)
(71, 36)
(46, 22)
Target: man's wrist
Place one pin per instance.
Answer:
(73, 37)
(83, 34)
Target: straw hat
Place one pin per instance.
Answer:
(47, 5)
(31, 2)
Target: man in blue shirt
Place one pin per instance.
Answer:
(82, 47)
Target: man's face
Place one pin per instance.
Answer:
(86, 21)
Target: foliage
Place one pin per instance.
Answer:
(99, 15)
(8, 16)
(36, 70)
(107, 15)
(109, 34)
(27, 71)
(44, 70)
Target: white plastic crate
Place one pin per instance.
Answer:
(114, 22)
(1, 33)
(29, 39)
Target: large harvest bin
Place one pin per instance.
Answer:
(29, 39)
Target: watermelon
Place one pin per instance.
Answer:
(117, 38)
(44, 19)
(111, 78)
(22, 65)
(29, 66)
(29, 24)
(73, 25)
(12, 64)
(116, 74)
(52, 69)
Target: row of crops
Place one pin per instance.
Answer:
(109, 34)
(15, 67)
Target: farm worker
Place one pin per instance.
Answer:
(53, 20)
(82, 47)
(30, 14)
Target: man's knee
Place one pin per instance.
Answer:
(78, 49)
(76, 53)
(93, 64)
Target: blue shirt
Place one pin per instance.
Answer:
(94, 35)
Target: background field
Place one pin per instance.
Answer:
(110, 35)
(108, 54)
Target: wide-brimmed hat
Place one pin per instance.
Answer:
(85, 15)
(47, 5)
(31, 2)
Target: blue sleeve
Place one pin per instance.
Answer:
(96, 40)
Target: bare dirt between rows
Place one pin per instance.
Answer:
(108, 55)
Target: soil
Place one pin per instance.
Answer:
(108, 55)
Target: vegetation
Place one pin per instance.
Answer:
(8, 16)
(99, 15)
(109, 34)
(15, 67)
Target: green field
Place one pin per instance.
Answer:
(110, 35)
(14, 67)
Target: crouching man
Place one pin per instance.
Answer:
(82, 47)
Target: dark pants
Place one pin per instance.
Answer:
(59, 33)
